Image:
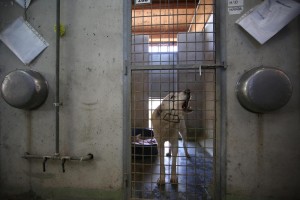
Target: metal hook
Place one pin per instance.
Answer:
(200, 70)
(63, 164)
(44, 163)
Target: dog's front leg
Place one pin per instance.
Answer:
(161, 150)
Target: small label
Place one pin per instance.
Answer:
(235, 7)
(235, 3)
(142, 2)
(235, 10)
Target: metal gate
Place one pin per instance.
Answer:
(172, 50)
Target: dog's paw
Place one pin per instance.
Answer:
(161, 181)
(174, 180)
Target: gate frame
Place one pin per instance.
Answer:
(220, 90)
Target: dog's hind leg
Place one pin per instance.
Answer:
(174, 149)
(182, 130)
(161, 150)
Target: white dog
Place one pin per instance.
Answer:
(168, 121)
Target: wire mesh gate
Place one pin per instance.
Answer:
(195, 174)
(170, 41)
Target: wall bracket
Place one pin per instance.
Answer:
(63, 159)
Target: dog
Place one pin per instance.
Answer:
(168, 122)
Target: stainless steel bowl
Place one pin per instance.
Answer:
(264, 89)
(24, 89)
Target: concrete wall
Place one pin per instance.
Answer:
(262, 150)
(91, 93)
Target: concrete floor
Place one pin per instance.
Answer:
(195, 176)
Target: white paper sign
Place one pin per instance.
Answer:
(269, 17)
(23, 40)
(22, 3)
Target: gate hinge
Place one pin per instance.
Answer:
(126, 64)
(126, 180)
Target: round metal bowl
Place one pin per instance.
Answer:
(264, 89)
(24, 89)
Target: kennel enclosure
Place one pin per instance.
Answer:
(172, 47)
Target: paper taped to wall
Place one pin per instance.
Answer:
(22, 39)
(269, 17)
(23, 2)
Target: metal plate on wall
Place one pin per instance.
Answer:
(24, 89)
(264, 89)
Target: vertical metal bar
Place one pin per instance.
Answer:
(220, 134)
(220, 56)
(220, 31)
(57, 77)
(127, 49)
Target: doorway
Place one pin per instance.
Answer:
(173, 48)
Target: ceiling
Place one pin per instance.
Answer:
(163, 19)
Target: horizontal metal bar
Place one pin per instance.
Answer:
(58, 157)
(176, 67)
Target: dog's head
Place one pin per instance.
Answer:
(175, 104)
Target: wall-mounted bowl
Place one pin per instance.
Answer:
(264, 89)
(24, 89)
